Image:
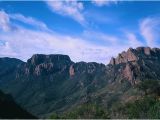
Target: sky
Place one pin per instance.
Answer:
(91, 31)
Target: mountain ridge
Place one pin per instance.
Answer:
(47, 83)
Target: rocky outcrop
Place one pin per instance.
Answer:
(40, 58)
(144, 50)
(43, 68)
(138, 64)
(71, 71)
(128, 73)
(112, 61)
(83, 67)
(40, 64)
(124, 57)
(133, 55)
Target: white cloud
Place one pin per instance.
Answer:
(114, 44)
(108, 39)
(6, 25)
(69, 8)
(29, 20)
(4, 21)
(6, 50)
(150, 30)
(132, 40)
(23, 43)
(103, 2)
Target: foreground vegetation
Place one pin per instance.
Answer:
(85, 111)
(146, 107)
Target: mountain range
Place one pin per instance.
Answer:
(48, 84)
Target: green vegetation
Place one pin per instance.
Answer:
(85, 111)
(146, 107)
(54, 116)
(150, 87)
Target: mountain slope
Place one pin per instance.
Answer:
(10, 110)
(8, 68)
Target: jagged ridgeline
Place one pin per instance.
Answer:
(48, 84)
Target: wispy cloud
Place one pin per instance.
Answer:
(132, 40)
(101, 37)
(104, 2)
(7, 25)
(24, 42)
(150, 30)
(69, 8)
(88, 46)
(114, 44)
(4, 21)
(29, 20)
(27, 42)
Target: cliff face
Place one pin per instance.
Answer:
(125, 57)
(40, 64)
(134, 55)
(140, 63)
(83, 67)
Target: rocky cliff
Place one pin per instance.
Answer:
(134, 55)
(139, 64)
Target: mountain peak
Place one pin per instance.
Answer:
(132, 55)
(54, 58)
(124, 57)
(40, 64)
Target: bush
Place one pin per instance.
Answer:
(146, 107)
(54, 116)
(150, 87)
(85, 111)
(154, 111)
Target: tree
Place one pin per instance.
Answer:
(54, 116)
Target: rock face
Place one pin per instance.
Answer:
(133, 55)
(139, 63)
(90, 68)
(128, 73)
(124, 57)
(40, 58)
(40, 64)
(71, 71)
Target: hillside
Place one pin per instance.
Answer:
(10, 110)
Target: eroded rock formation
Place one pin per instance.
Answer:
(133, 55)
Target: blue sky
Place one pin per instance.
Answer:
(85, 30)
